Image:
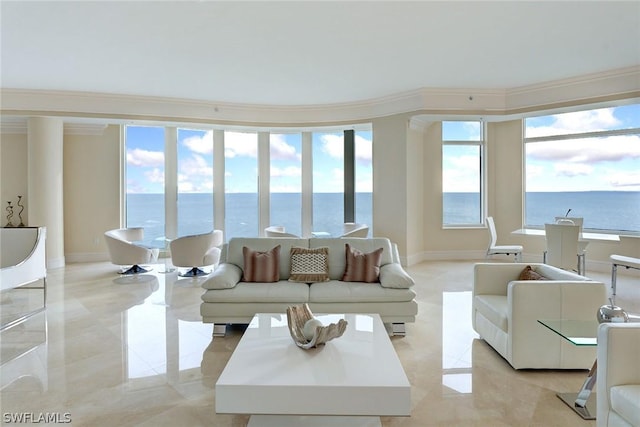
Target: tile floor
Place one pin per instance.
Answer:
(115, 351)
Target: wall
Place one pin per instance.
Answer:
(13, 175)
(92, 192)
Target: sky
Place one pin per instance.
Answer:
(590, 164)
(145, 161)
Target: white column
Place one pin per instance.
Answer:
(218, 180)
(45, 183)
(171, 182)
(264, 178)
(307, 184)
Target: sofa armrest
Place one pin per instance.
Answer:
(393, 276)
(226, 276)
(530, 301)
(493, 278)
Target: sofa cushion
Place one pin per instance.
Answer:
(495, 308)
(261, 266)
(256, 292)
(554, 273)
(337, 259)
(625, 400)
(356, 292)
(225, 276)
(393, 276)
(362, 267)
(235, 256)
(309, 265)
(530, 274)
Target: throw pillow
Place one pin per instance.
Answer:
(529, 274)
(261, 266)
(309, 265)
(362, 267)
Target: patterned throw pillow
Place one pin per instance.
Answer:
(362, 267)
(309, 265)
(529, 274)
(261, 266)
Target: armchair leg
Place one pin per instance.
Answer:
(135, 269)
(219, 329)
(398, 329)
(194, 272)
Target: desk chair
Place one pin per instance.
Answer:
(495, 249)
(624, 261)
(562, 247)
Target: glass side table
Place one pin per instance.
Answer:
(579, 333)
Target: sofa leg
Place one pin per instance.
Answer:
(398, 329)
(219, 329)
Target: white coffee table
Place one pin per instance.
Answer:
(352, 380)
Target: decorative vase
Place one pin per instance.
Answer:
(612, 313)
(20, 211)
(9, 209)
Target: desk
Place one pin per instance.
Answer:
(584, 236)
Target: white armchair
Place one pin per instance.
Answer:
(352, 229)
(505, 313)
(277, 231)
(124, 252)
(618, 386)
(196, 251)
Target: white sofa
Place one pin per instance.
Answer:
(228, 300)
(505, 313)
(618, 386)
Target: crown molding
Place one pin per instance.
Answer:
(18, 126)
(613, 85)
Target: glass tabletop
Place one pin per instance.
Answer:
(577, 332)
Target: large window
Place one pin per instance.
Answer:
(195, 181)
(241, 184)
(286, 181)
(462, 202)
(364, 177)
(587, 162)
(183, 181)
(328, 182)
(145, 182)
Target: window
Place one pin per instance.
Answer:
(183, 181)
(462, 200)
(286, 181)
(144, 171)
(241, 184)
(328, 182)
(364, 177)
(195, 181)
(587, 162)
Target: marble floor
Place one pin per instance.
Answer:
(121, 351)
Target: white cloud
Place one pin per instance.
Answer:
(333, 145)
(280, 150)
(590, 150)
(200, 144)
(145, 158)
(625, 179)
(240, 144)
(577, 122)
(289, 171)
(155, 176)
(572, 169)
(364, 150)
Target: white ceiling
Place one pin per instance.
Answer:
(309, 53)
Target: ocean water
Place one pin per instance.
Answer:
(601, 210)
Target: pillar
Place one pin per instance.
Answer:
(45, 183)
